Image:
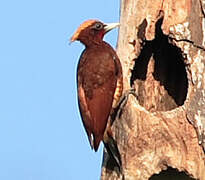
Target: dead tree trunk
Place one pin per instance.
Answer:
(161, 48)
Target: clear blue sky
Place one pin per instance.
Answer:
(41, 133)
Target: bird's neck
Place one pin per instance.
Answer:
(97, 44)
(92, 42)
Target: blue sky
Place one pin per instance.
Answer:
(41, 134)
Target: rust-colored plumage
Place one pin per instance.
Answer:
(99, 79)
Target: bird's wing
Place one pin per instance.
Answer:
(96, 86)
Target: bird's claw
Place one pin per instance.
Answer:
(123, 101)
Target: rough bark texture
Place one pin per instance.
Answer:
(161, 48)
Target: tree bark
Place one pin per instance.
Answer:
(161, 48)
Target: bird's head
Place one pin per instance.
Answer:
(92, 31)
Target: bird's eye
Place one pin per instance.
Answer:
(98, 26)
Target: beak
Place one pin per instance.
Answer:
(110, 26)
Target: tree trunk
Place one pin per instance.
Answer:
(161, 48)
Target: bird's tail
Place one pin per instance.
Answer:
(114, 158)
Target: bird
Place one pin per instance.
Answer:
(99, 80)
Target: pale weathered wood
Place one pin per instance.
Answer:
(161, 48)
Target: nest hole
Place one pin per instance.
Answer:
(171, 174)
(159, 74)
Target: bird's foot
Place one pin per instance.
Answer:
(122, 102)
